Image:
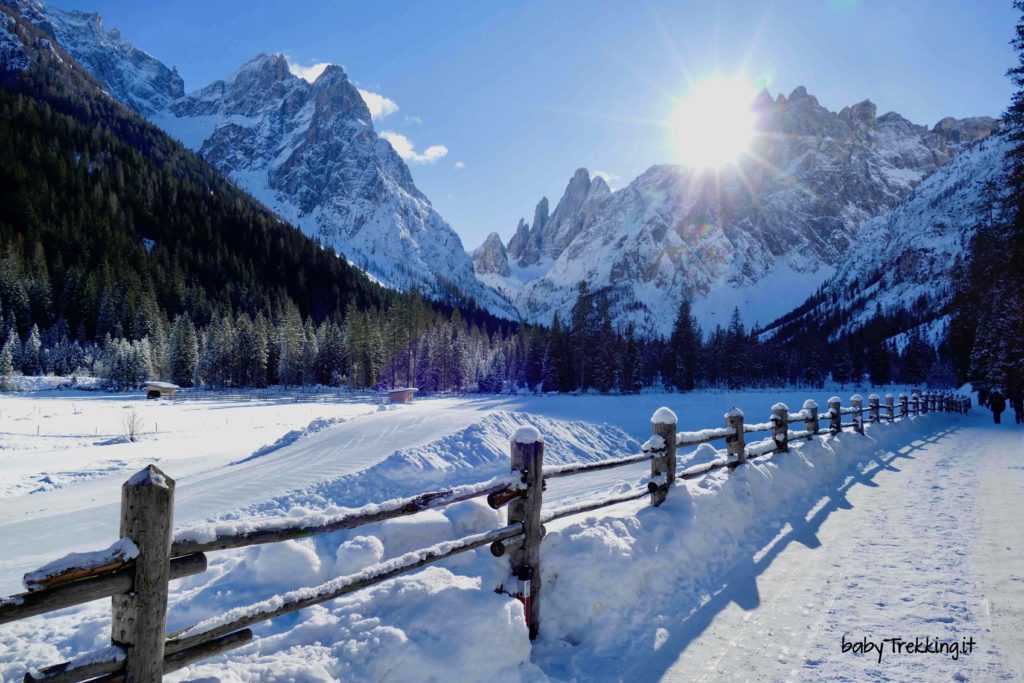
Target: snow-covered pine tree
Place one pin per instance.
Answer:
(31, 353)
(310, 351)
(291, 341)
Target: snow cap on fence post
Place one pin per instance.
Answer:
(916, 401)
(811, 418)
(735, 442)
(663, 462)
(858, 413)
(527, 434)
(527, 446)
(835, 415)
(873, 403)
(780, 427)
(139, 620)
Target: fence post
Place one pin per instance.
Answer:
(835, 415)
(140, 616)
(811, 420)
(780, 427)
(873, 404)
(735, 442)
(663, 464)
(890, 406)
(858, 413)
(916, 401)
(528, 461)
(904, 407)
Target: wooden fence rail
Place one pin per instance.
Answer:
(136, 570)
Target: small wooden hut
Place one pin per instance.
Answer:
(402, 395)
(160, 389)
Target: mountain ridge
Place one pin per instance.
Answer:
(309, 151)
(785, 215)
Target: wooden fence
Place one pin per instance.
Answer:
(136, 570)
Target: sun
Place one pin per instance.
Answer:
(713, 125)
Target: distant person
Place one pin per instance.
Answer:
(983, 397)
(1017, 403)
(997, 403)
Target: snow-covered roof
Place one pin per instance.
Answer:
(162, 385)
(403, 389)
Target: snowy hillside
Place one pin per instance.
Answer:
(786, 214)
(307, 150)
(904, 258)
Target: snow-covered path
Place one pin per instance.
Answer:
(927, 544)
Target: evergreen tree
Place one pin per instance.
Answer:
(736, 361)
(310, 351)
(31, 356)
(182, 351)
(6, 364)
(291, 342)
(683, 348)
(582, 333)
(916, 362)
(842, 368)
(12, 349)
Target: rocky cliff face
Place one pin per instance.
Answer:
(903, 259)
(129, 74)
(762, 235)
(548, 236)
(491, 256)
(307, 150)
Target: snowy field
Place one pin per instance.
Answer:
(755, 575)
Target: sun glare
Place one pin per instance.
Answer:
(714, 123)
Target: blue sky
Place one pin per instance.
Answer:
(523, 93)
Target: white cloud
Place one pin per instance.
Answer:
(307, 73)
(608, 177)
(379, 105)
(405, 149)
(460, 164)
(413, 120)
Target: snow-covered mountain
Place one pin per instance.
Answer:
(762, 235)
(902, 260)
(307, 150)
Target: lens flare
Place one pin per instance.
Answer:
(713, 125)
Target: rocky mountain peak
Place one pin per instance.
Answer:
(491, 257)
(791, 211)
(862, 114)
(129, 74)
(551, 234)
(307, 150)
(540, 214)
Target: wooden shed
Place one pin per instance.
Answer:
(160, 389)
(401, 395)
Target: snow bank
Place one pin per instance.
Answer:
(317, 425)
(52, 383)
(430, 626)
(614, 585)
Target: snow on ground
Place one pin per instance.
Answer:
(709, 586)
